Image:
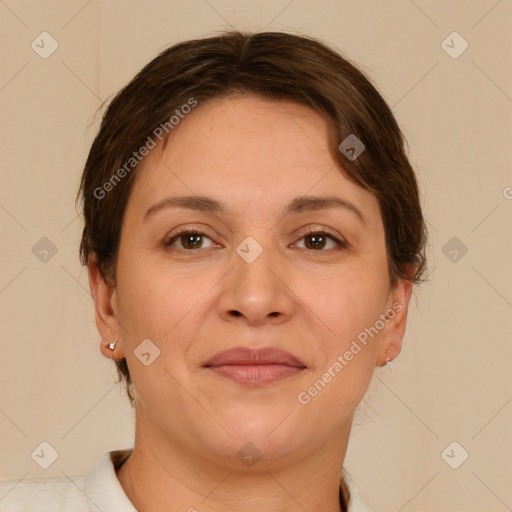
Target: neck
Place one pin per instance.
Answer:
(156, 479)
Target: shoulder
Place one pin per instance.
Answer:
(42, 494)
(356, 503)
(97, 489)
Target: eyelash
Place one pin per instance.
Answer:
(340, 243)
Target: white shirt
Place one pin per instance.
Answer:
(99, 490)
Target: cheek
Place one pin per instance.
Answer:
(152, 296)
(347, 306)
(344, 304)
(156, 304)
(164, 304)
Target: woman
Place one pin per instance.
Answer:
(252, 234)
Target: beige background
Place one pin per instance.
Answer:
(452, 381)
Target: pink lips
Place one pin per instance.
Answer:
(255, 367)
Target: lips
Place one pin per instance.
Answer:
(255, 367)
(261, 356)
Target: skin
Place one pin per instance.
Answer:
(255, 155)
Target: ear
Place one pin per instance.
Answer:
(392, 334)
(105, 307)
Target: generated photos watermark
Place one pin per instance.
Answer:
(304, 397)
(137, 156)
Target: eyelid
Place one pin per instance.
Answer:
(190, 228)
(323, 229)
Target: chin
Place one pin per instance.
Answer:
(272, 436)
(256, 450)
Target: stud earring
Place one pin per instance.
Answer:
(112, 345)
(388, 361)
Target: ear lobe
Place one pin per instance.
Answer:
(104, 296)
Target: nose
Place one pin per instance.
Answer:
(257, 292)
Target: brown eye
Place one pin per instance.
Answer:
(315, 241)
(318, 240)
(189, 240)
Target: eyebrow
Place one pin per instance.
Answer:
(297, 205)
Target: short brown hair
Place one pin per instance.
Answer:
(272, 65)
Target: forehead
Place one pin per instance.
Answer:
(250, 129)
(250, 152)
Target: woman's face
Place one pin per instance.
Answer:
(251, 277)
